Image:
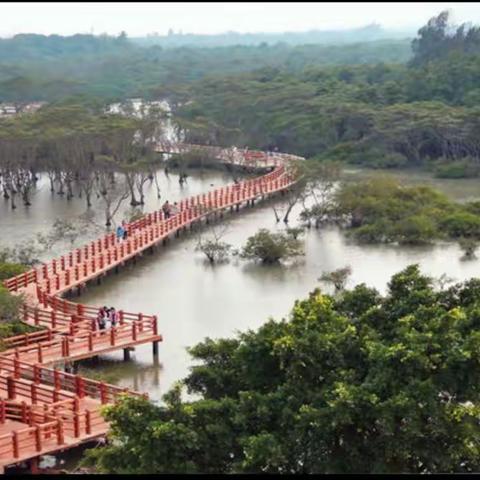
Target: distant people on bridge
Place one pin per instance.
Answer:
(175, 210)
(234, 153)
(102, 317)
(166, 209)
(113, 317)
(125, 234)
(120, 232)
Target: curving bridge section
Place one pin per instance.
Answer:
(44, 410)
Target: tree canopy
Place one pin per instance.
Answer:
(356, 383)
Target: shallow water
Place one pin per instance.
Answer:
(194, 300)
(463, 190)
(24, 222)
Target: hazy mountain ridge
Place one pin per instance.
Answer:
(368, 33)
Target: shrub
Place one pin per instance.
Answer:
(457, 169)
(215, 251)
(294, 232)
(461, 224)
(9, 305)
(417, 229)
(8, 270)
(338, 278)
(271, 247)
(468, 246)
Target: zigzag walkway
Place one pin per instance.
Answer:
(44, 410)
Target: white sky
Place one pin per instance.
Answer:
(139, 19)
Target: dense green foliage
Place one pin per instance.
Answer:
(359, 103)
(353, 384)
(383, 210)
(9, 270)
(79, 145)
(378, 115)
(10, 304)
(438, 39)
(35, 67)
(9, 308)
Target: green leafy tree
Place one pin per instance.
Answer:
(354, 384)
(271, 247)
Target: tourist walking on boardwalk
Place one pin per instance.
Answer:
(126, 227)
(120, 232)
(166, 209)
(175, 209)
(101, 318)
(113, 317)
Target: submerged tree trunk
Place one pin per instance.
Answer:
(156, 184)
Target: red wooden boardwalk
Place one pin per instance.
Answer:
(43, 410)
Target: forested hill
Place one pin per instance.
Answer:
(35, 67)
(326, 37)
(424, 113)
(27, 48)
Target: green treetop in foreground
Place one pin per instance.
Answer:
(356, 383)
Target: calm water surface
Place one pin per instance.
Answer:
(193, 300)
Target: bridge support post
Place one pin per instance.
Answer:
(155, 348)
(126, 354)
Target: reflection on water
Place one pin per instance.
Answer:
(193, 300)
(24, 222)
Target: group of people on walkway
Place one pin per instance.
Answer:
(123, 231)
(107, 317)
(169, 210)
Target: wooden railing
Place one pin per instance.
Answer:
(28, 338)
(65, 347)
(50, 402)
(41, 385)
(17, 444)
(48, 427)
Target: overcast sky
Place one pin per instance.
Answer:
(139, 19)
